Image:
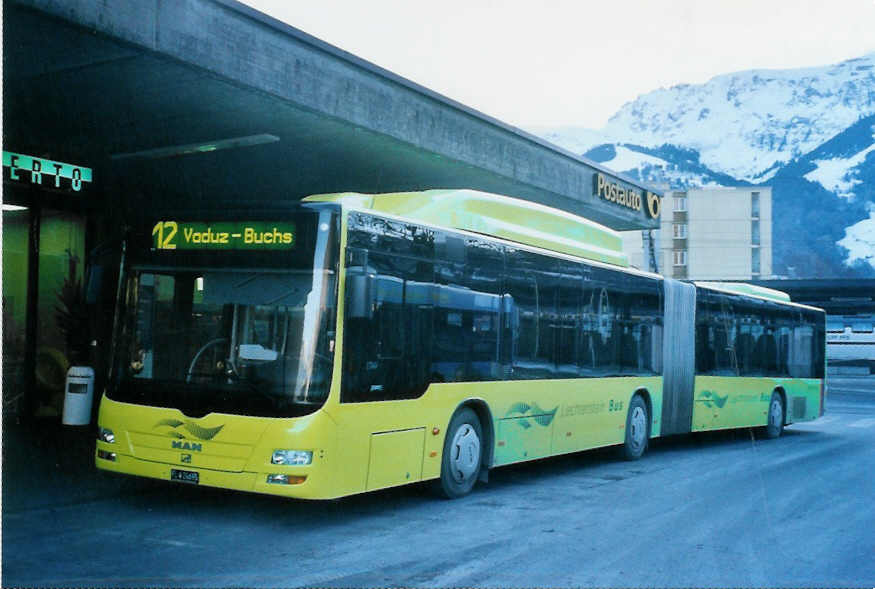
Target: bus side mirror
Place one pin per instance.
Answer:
(360, 288)
(94, 284)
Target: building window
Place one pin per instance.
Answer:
(679, 258)
(755, 205)
(755, 232)
(680, 204)
(755, 260)
(679, 230)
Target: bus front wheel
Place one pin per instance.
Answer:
(775, 422)
(637, 429)
(463, 451)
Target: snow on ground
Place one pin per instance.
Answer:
(860, 241)
(838, 174)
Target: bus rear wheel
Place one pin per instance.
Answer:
(637, 429)
(775, 423)
(463, 451)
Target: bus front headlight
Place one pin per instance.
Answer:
(106, 435)
(292, 457)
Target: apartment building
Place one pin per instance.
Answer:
(709, 234)
(717, 234)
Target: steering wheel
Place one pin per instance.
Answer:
(210, 344)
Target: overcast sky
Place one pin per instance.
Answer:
(537, 63)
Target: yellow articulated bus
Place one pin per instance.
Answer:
(354, 342)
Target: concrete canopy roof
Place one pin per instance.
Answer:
(108, 88)
(836, 296)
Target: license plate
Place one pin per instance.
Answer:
(184, 476)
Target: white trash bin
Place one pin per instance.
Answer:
(78, 395)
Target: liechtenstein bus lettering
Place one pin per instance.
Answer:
(357, 342)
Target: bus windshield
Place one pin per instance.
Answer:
(204, 336)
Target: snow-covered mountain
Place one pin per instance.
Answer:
(808, 133)
(827, 199)
(745, 123)
(678, 167)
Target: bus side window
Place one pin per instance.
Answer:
(641, 315)
(725, 326)
(388, 337)
(706, 352)
(548, 322)
(766, 349)
(468, 303)
(801, 351)
(521, 285)
(601, 330)
(567, 325)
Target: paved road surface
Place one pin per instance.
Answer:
(712, 509)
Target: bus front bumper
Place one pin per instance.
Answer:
(284, 483)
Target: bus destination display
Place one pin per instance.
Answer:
(233, 235)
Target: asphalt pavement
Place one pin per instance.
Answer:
(723, 508)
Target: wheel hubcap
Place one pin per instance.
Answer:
(775, 414)
(465, 453)
(638, 425)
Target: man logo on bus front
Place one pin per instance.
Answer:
(190, 446)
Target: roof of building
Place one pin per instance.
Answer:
(214, 103)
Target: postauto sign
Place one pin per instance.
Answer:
(626, 197)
